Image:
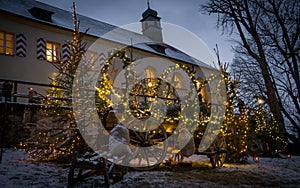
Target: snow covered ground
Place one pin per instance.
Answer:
(17, 170)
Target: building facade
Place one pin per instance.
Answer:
(34, 35)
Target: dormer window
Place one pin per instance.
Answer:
(158, 48)
(41, 14)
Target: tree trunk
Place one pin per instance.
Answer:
(272, 99)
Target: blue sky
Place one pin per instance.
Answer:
(185, 14)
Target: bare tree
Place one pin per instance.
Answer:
(267, 51)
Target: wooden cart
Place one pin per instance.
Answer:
(151, 139)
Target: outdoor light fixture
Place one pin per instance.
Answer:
(260, 101)
(255, 158)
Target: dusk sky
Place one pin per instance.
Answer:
(185, 14)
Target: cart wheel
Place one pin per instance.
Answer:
(217, 160)
(212, 159)
(221, 159)
(149, 139)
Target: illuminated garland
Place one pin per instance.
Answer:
(105, 88)
(187, 119)
(105, 84)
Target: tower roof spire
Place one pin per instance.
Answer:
(149, 12)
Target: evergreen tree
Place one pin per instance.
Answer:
(235, 127)
(265, 131)
(62, 138)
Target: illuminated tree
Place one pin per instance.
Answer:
(240, 130)
(62, 137)
(235, 127)
(266, 130)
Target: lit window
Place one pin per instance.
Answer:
(6, 43)
(90, 57)
(177, 80)
(53, 52)
(150, 77)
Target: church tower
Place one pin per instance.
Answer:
(151, 25)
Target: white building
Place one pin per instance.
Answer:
(33, 37)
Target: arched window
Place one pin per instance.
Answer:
(150, 76)
(177, 80)
(89, 57)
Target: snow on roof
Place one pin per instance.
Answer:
(170, 52)
(60, 18)
(64, 19)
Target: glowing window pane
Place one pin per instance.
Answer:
(177, 81)
(90, 57)
(9, 44)
(9, 37)
(9, 51)
(49, 52)
(52, 51)
(6, 43)
(150, 77)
